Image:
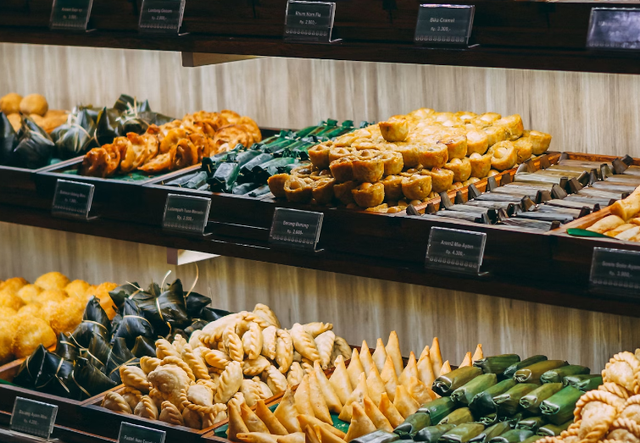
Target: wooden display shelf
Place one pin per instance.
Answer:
(511, 34)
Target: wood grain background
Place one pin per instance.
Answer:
(595, 113)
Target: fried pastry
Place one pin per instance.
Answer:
(324, 343)
(340, 380)
(393, 351)
(367, 166)
(524, 149)
(441, 179)
(404, 402)
(377, 417)
(433, 156)
(512, 125)
(286, 412)
(410, 370)
(360, 425)
(295, 374)
(393, 162)
(322, 191)
(356, 397)
(390, 412)
(343, 191)
(311, 421)
(375, 385)
(236, 424)
(504, 155)
(539, 140)
(392, 187)
(325, 436)
(318, 403)
(606, 224)
(331, 398)
(275, 379)
(461, 169)
(379, 355)
(367, 195)
(416, 187)
(186, 154)
(159, 163)
(410, 154)
(134, 377)
(319, 155)
(31, 333)
(146, 408)
(115, 402)
(394, 131)
(435, 355)
(298, 190)
(477, 142)
(480, 165)
(252, 341)
(284, 350)
(495, 134)
(230, 382)
(456, 146)
(425, 368)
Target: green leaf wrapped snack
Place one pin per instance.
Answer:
(8, 141)
(165, 310)
(491, 419)
(447, 383)
(459, 416)
(438, 408)
(94, 322)
(412, 424)
(531, 402)
(377, 437)
(497, 364)
(512, 436)
(130, 324)
(432, 434)
(509, 402)
(559, 407)
(532, 373)
(551, 430)
(66, 348)
(584, 382)
(558, 374)
(462, 433)
(533, 439)
(89, 379)
(144, 346)
(33, 150)
(511, 370)
(490, 432)
(464, 394)
(531, 423)
(483, 403)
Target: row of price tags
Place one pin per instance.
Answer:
(440, 25)
(38, 419)
(156, 16)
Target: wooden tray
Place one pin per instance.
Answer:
(19, 188)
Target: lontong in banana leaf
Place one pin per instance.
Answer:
(467, 392)
(558, 374)
(532, 374)
(98, 352)
(497, 364)
(447, 383)
(213, 314)
(66, 348)
(377, 437)
(490, 432)
(459, 416)
(462, 433)
(554, 430)
(438, 408)
(119, 356)
(511, 370)
(94, 322)
(197, 325)
(165, 310)
(531, 423)
(584, 382)
(8, 141)
(412, 424)
(559, 407)
(512, 436)
(89, 379)
(531, 402)
(509, 402)
(431, 434)
(483, 403)
(130, 323)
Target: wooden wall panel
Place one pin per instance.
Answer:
(585, 112)
(360, 308)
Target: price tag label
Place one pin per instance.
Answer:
(614, 28)
(161, 16)
(444, 24)
(309, 21)
(139, 434)
(615, 270)
(33, 417)
(70, 14)
(186, 213)
(72, 199)
(295, 228)
(455, 250)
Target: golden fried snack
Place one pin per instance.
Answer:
(441, 179)
(392, 187)
(337, 153)
(66, 315)
(606, 224)
(456, 146)
(409, 152)
(461, 169)
(319, 155)
(186, 154)
(298, 190)
(10, 300)
(512, 125)
(496, 134)
(52, 119)
(29, 293)
(470, 181)
(480, 165)
(159, 163)
(10, 103)
(77, 288)
(38, 120)
(34, 310)
(367, 194)
(489, 117)
(393, 162)
(144, 147)
(342, 191)
(367, 167)
(127, 154)
(323, 190)
(101, 162)
(539, 140)
(433, 156)
(13, 284)
(628, 207)
(524, 149)
(15, 120)
(171, 139)
(102, 293)
(30, 334)
(252, 128)
(342, 168)
(52, 280)
(34, 104)
(477, 142)
(394, 131)
(416, 187)
(6, 339)
(54, 295)
(504, 155)
(276, 184)
(233, 135)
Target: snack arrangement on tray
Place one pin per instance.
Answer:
(623, 223)
(246, 355)
(409, 159)
(34, 106)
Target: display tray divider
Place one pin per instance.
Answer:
(19, 188)
(61, 434)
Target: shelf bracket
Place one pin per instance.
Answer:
(196, 59)
(180, 257)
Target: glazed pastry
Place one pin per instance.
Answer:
(504, 155)
(477, 142)
(276, 184)
(319, 155)
(146, 408)
(379, 420)
(410, 154)
(367, 167)
(115, 402)
(416, 187)
(539, 140)
(276, 381)
(298, 190)
(461, 169)
(134, 377)
(389, 377)
(286, 412)
(367, 195)
(512, 125)
(343, 191)
(360, 425)
(331, 398)
(342, 168)
(390, 412)
(230, 382)
(480, 165)
(524, 149)
(322, 191)
(394, 131)
(606, 224)
(284, 350)
(393, 162)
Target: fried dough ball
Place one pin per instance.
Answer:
(33, 310)
(55, 295)
(102, 293)
(6, 339)
(10, 300)
(30, 334)
(10, 103)
(368, 195)
(52, 280)
(29, 293)
(77, 288)
(34, 104)
(13, 284)
(6, 312)
(66, 315)
(15, 120)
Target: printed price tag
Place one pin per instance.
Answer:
(33, 417)
(615, 271)
(455, 250)
(444, 24)
(186, 213)
(295, 228)
(614, 28)
(139, 434)
(161, 16)
(309, 21)
(72, 199)
(70, 15)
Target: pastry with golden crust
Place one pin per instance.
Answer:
(394, 131)
(433, 156)
(540, 141)
(298, 190)
(368, 194)
(343, 191)
(417, 186)
(322, 191)
(480, 165)
(504, 155)
(319, 155)
(392, 187)
(461, 169)
(367, 166)
(456, 146)
(342, 168)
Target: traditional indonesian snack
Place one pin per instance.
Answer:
(33, 314)
(245, 357)
(624, 221)
(172, 145)
(367, 392)
(408, 155)
(34, 106)
(115, 328)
